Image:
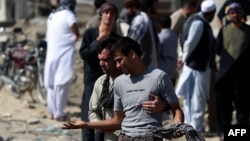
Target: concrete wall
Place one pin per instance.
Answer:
(6, 10)
(3, 10)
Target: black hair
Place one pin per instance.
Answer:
(146, 4)
(131, 3)
(125, 45)
(108, 6)
(165, 22)
(107, 44)
(98, 3)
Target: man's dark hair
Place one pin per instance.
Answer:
(107, 44)
(131, 3)
(188, 3)
(125, 45)
(98, 3)
(165, 22)
(108, 6)
(146, 4)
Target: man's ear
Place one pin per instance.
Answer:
(132, 54)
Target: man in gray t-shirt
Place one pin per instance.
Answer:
(130, 90)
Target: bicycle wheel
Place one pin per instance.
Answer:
(41, 90)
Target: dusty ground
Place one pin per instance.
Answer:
(22, 120)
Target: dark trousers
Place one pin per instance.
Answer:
(88, 134)
(233, 95)
(211, 103)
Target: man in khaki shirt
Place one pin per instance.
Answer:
(180, 16)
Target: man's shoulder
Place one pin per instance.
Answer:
(158, 71)
(121, 77)
(157, 74)
(101, 79)
(176, 13)
(244, 27)
(140, 16)
(167, 32)
(115, 35)
(91, 30)
(196, 19)
(196, 16)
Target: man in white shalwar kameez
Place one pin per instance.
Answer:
(62, 33)
(194, 80)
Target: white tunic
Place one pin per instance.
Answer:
(60, 48)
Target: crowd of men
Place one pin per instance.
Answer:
(137, 66)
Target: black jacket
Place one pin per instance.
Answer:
(89, 54)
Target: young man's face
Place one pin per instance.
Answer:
(235, 16)
(106, 61)
(108, 17)
(122, 62)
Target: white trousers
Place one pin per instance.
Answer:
(194, 87)
(57, 98)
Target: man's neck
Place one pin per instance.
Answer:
(115, 74)
(104, 27)
(237, 25)
(184, 12)
(140, 69)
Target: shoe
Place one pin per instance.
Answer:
(64, 118)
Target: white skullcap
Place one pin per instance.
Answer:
(207, 6)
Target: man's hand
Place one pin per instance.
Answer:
(74, 124)
(103, 35)
(155, 105)
(179, 64)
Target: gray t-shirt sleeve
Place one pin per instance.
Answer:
(167, 92)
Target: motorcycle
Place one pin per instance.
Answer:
(22, 68)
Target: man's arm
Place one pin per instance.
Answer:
(89, 44)
(109, 124)
(75, 30)
(194, 36)
(95, 110)
(221, 13)
(178, 115)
